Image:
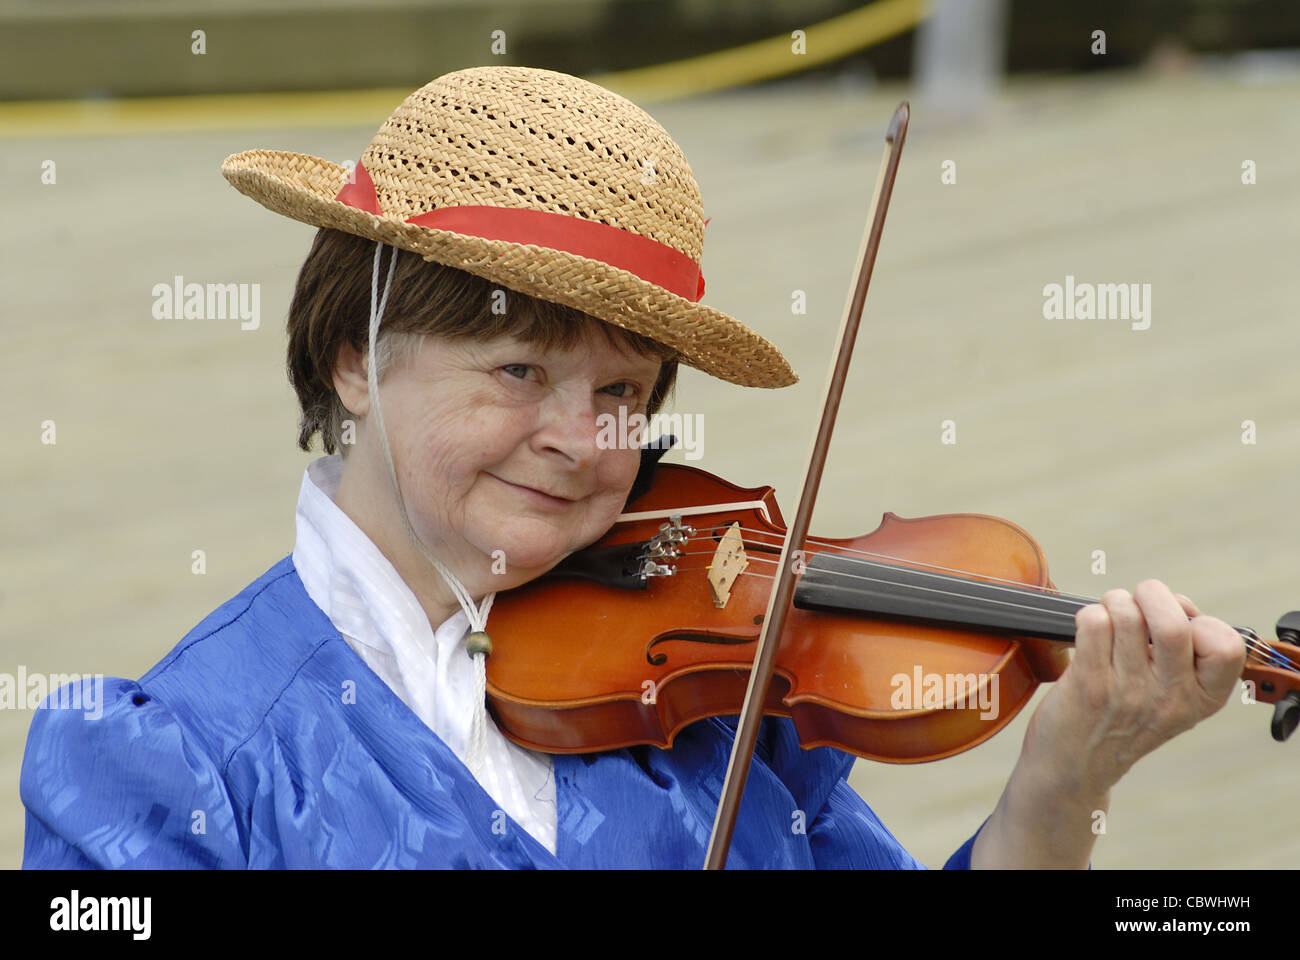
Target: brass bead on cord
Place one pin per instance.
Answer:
(478, 642)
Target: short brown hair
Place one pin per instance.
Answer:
(331, 307)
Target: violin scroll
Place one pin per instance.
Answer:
(1278, 673)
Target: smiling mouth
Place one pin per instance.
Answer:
(533, 490)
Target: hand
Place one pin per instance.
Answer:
(1122, 695)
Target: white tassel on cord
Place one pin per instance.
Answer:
(478, 645)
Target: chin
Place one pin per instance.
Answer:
(530, 559)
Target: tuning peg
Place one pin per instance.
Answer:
(1288, 627)
(1286, 714)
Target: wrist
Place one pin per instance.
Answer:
(1064, 771)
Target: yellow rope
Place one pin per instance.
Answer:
(750, 63)
(774, 57)
(326, 108)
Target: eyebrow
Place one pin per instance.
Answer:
(624, 367)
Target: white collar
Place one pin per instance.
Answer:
(361, 592)
(358, 588)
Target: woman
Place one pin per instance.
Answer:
(333, 713)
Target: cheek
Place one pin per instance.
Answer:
(449, 450)
(439, 469)
(617, 477)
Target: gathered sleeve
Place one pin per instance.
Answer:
(124, 785)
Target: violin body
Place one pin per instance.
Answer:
(580, 667)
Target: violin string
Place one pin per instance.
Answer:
(934, 590)
(1074, 602)
(1263, 651)
(961, 576)
(922, 569)
(1257, 645)
(920, 566)
(1253, 643)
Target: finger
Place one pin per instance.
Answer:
(1129, 650)
(1220, 654)
(1092, 639)
(1170, 630)
(1190, 608)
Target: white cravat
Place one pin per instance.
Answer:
(380, 618)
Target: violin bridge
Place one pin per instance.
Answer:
(729, 562)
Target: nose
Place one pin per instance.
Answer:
(568, 426)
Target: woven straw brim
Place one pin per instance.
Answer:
(304, 188)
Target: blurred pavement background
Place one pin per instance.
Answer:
(179, 435)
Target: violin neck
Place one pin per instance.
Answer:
(835, 583)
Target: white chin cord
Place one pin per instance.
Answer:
(478, 644)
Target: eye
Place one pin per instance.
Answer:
(629, 392)
(523, 369)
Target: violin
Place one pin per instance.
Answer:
(640, 640)
(912, 643)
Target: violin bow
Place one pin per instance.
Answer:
(790, 563)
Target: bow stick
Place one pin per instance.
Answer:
(778, 604)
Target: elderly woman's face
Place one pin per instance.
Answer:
(496, 446)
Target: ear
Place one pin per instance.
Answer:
(350, 381)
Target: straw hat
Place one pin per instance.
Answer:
(544, 183)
